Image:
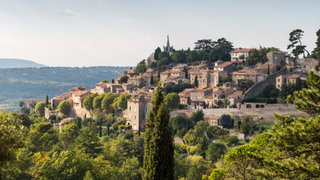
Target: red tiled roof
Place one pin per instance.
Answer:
(241, 50)
(223, 65)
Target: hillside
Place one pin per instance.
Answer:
(23, 83)
(18, 63)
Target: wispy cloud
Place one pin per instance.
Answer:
(69, 13)
(102, 2)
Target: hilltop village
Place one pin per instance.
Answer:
(216, 89)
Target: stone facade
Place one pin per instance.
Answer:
(137, 111)
(238, 52)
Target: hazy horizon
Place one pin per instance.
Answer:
(83, 33)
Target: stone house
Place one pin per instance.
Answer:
(185, 96)
(207, 78)
(213, 121)
(196, 68)
(276, 56)
(264, 68)
(32, 100)
(137, 110)
(198, 95)
(100, 88)
(147, 77)
(128, 72)
(181, 112)
(227, 66)
(150, 60)
(238, 52)
(136, 81)
(286, 79)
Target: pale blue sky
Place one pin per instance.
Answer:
(121, 33)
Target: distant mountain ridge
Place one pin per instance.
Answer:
(18, 63)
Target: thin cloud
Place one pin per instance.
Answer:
(69, 13)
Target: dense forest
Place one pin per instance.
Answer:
(23, 83)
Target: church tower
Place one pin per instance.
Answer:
(167, 48)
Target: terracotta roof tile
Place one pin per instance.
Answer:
(241, 50)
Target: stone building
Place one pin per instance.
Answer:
(128, 72)
(185, 96)
(286, 79)
(226, 66)
(150, 60)
(136, 81)
(207, 78)
(32, 100)
(238, 52)
(198, 96)
(137, 110)
(276, 56)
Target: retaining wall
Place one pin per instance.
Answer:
(257, 88)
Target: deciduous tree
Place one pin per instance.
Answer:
(173, 101)
(64, 107)
(39, 108)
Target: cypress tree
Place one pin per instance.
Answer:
(151, 80)
(47, 100)
(268, 70)
(159, 149)
(100, 128)
(112, 81)
(196, 81)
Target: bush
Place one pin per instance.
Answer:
(128, 135)
(247, 140)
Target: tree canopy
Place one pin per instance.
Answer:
(221, 50)
(141, 67)
(295, 38)
(39, 108)
(64, 107)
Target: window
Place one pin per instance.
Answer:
(135, 109)
(195, 98)
(135, 117)
(191, 98)
(278, 80)
(276, 57)
(129, 108)
(135, 127)
(146, 109)
(183, 102)
(130, 116)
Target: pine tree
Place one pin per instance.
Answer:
(159, 149)
(196, 81)
(47, 100)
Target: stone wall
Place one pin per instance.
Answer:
(254, 112)
(257, 88)
(306, 64)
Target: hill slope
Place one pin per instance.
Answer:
(23, 83)
(18, 63)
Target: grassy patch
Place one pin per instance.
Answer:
(266, 126)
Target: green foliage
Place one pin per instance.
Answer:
(225, 121)
(270, 91)
(107, 101)
(163, 62)
(203, 45)
(202, 146)
(316, 52)
(232, 141)
(159, 149)
(156, 53)
(289, 89)
(217, 174)
(215, 151)
(64, 107)
(88, 142)
(21, 103)
(88, 102)
(178, 123)
(39, 108)
(221, 50)
(163, 54)
(68, 137)
(104, 81)
(12, 137)
(171, 87)
(97, 101)
(197, 116)
(42, 137)
(173, 101)
(121, 102)
(214, 130)
(123, 79)
(196, 82)
(179, 57)
(259, 55)
(140, 68)
(295, 38)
